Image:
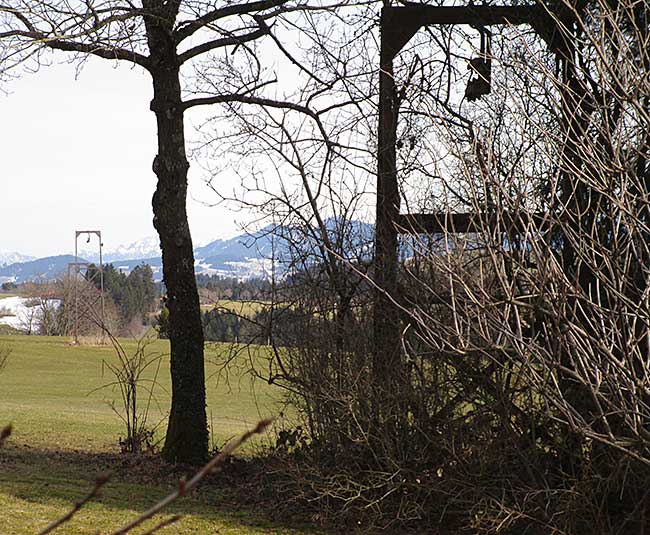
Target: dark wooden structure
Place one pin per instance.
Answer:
(398, 25)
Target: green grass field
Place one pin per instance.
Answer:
(242, 308)
(65, 432)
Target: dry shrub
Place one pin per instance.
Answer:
(135, 377)
(524, 386)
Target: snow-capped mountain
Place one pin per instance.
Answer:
(148, 247)
(10, 257)
(243, 257)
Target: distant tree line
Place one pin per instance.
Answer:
(279, 325)
(131, 296)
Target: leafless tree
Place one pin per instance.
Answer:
(304, 160)
(28, 316)
(172, 41)
(42, 302)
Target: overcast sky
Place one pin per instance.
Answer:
(77, 153)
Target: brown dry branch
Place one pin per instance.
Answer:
(163, 524)
(128, 378)
(524, 378)
(539, 333)
(100, 481)
(183, 486)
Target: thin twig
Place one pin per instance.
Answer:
(163, 524)
(183, 486)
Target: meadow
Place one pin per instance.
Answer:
(241, 308)
(65, 432)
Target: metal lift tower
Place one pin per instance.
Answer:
(87, 287)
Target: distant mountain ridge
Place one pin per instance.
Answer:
(245, 256)
(41, 269)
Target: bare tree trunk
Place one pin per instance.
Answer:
(187, 435)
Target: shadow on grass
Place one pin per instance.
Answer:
(60, 478)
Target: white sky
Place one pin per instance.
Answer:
(76, 154)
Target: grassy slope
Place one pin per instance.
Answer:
(48, 390)
(65, 433)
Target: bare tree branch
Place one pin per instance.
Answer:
(186, 29)
(259, 101)
(100, 481)
(98, 50)
(221, 43)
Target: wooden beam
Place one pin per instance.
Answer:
(462, 223)
(399, 24)
(475, 15)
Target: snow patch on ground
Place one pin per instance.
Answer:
(15, 308)
(19, 313)
(252, 267)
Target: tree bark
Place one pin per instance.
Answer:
(388, 379)
(187, 432)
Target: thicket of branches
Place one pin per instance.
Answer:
(524, 366)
